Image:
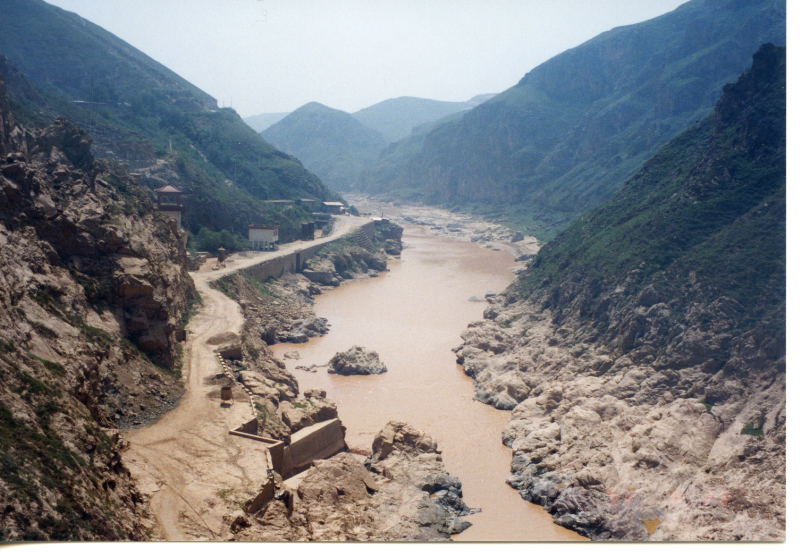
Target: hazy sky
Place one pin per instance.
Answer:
(276, 55)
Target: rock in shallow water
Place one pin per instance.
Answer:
(356, 360)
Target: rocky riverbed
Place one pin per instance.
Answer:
(626, 447)
(441, 222)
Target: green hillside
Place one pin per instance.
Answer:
(704, 218)
(146, 117)
(576, 127)
(330, 142)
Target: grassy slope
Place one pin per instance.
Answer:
(331, 143)
(710, 206)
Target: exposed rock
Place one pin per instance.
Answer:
(301, 413)
(286, 315)
(401, 493)
(356, 360)
(653, 407)
(91, 277)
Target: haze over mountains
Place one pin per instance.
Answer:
(141, 113)
(641, 351)
(339, 146)
(331, 143)
(561, 140)
(574, 128)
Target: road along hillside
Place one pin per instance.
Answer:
(186, 462)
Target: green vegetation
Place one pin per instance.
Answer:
(55, 368)
(32, 462)
(749, 430)
(208, 241)
(193, 305)
(331, 143)
(704, 209)
(575, 128)
(226, 286)
(226, 168)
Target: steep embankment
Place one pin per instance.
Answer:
(574, 128)
(643, 351)
(146, 117)
(93, 283)
(331, 143)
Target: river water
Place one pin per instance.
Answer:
(413, 316)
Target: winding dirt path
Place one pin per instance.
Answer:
(186, 463)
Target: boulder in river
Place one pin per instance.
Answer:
(356, 360)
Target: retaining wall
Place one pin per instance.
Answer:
(319, 441)
(292, 262)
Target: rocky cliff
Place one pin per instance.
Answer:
(93, 283)
(642, 353)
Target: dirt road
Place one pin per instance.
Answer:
(186, 463)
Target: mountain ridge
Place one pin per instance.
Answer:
(330, 142)
(576, 126)
(151, 120)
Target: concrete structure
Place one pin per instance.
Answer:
(169, 202)
(262, 237)
(318, 441)
(292, 262)
(333, 207)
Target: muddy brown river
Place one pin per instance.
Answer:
(413, 316)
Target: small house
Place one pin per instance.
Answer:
(169, 202)
(333, 207)
(262, 237)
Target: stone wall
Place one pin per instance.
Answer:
(292, 262)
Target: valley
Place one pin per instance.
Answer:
(552, 314)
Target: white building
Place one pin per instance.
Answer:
(262, 237)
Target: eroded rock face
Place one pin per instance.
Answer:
(307, 411)
(401, 493)
(287, 315)
(605, 442)
(651, 405)
(356, 360)
(91, 277)
(351, 261)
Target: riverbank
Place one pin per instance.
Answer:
(441, 222)
(627, 445)
(197, 477)
(412, 316)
